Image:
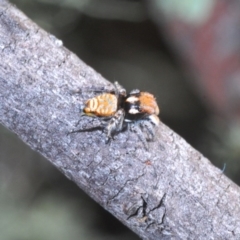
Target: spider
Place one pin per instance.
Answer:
(138, 110)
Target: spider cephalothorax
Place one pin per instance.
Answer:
(138, 110)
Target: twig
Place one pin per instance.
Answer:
(168, 192)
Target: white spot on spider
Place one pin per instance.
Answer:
(132, 99)
(133, 111)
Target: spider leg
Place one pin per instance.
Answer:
(87, 129)
(119, 90)
(149, 127)
(93, 89)
(115, 124)
(149, 123)
(91, 128)
(83, 114)
(154, 119)
(134, 127)
(134, 92)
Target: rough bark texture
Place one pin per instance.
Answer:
(168, 192)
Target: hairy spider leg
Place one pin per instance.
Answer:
(115, 124)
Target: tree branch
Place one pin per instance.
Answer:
(169, 192)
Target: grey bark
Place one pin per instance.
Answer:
(168, 192)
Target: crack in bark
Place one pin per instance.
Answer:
(143, 210)
(120, 190)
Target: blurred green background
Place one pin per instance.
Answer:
(118, 39)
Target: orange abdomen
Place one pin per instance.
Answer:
(104, 105)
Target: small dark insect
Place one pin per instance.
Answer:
(137, 110)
